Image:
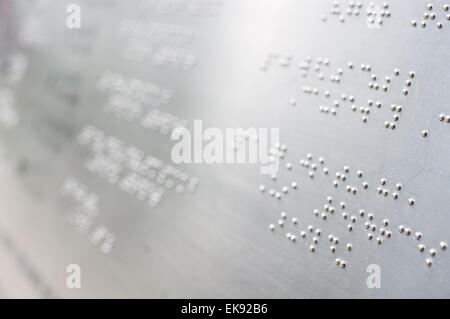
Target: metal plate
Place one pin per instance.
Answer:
(333, 76)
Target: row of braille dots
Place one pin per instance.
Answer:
(373, 85)
(316, 232)
(383, 233)
(305, 66)
(342, 177)
(430, 15)
(395, 194)
(395, 109)
(284, 60)
(353, 9)
(443, 117)
(418, 235)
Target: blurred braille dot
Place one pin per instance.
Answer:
(281, 223)
(312, 248)
(401, 228)
(349, 227)
(262, 188)
(272, 227)
(423, 24)
(407, 231)
(439, 25)
(428, 262)
(446, 7)
(294, 220)
(443, 245)
(349, 247)
(332, 249)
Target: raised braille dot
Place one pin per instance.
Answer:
(337, 261)
(398, 186)
(432, 252)
(332, 249)
(369, 236)
(316, 212)
(446, 7)
(424, 133)
(365, 185)
(443, 245)
(294, 185)
(407, 231)
(294, 220)
(366, 225)
(310, 228)
(303, 234)
(315, 240)
(262, 188)
(312, 248)
(418, 235)
(349, 247)
(280, 223)
(283, 215)
(401, 228)
(423, 24)
(429, 7)
(350, 227)
(379, 240)
(385, 222)
(411, 201)
(383, 181)
(272, 227)
(421, 247)
(318, 231)
(439, 25)
(413, 23)
(441, 117)
(373, 227)
(388, 234)
(428, 262)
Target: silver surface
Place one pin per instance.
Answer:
(215, 241)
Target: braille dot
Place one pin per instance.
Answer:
(343, 264)
(401, 228)
(379, 190)
(318, 232)
(315, 240)
(394, 195)
(396, 72)
(344, 215)
(385, 222)
(418, 235)
(428, 262)
(398, 186)
(443, 245)
(337, 261)
(262, 188)
(349, 247)
(365, 185)
(446, 7)
(411, 201)
(312, 248)
(294, 185)
(353, 219)
(407, 231)
(439, 25)
(383, 181)
(332, 249)
(414, 23)
(379, 240)
(423, 24)
(283, 215)
(370, 216)
(441, 117)
(421, 247)
(385, 192)
(388, 234)
(361, 212)
(303, 234)
(281, 223)
(366, 225)
(429, 7)
(311, 228)
(350, 227)
(272, 227)
(373, 227)
(369, 236)
(294, 220)
(432, 252)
